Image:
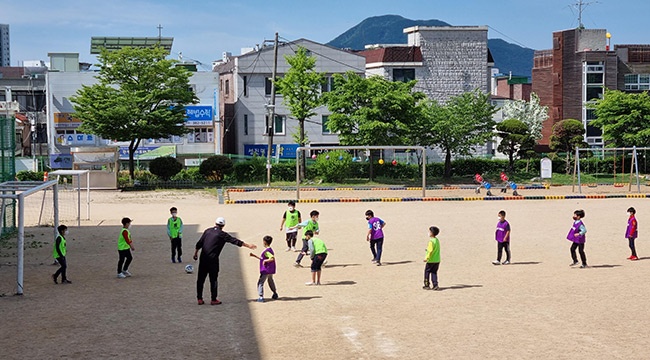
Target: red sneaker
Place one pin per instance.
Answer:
(630, 257)
(215, 302)
(201, 302)
(634, 258)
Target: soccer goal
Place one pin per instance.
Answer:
(301, 151)
(14, 195)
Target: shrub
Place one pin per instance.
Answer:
(27, 175)
(191, 174)
(216, 167)
(165, 167)
(285, 172)
(250, 171)
(334, 166)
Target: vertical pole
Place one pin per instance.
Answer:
(299, 151)
(21, 244)
(578, 169)
(78, 200)
(636, 166)
(271, 119)
(88, 195)
(424, 172)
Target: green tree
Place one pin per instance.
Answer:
(139, 95)
(515, 139)
(372, 111)
(165, 167)
(457, 127)
(567, 134)
(531, 113)
(624, 118)
(300, 88)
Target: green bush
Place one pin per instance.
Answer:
(165, 167)
(26, 175)
(471, 166)
(285, 172)
(191, 174)
(251, 171)
(216, 167)
(334, 166)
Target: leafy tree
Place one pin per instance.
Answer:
(216, 167)
(531, 113)
(567, 134)
(458, 126)
(372, 111)
(334, 166)
(300, 88)
(624, 118)
(165, 167)
(140, 95)
(515, 139)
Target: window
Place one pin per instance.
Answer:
(245, 123)
(245, 86)
(326, 130)
(278, 125)
(328, 84)
(403, 75)
(594, 78)
(594, 93)
(227, 90)
(268, 84)
(201, 135)
(637, 82)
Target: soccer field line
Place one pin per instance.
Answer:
(444, 198)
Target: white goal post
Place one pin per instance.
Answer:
(302, 149)
(19, 190)
(78, 174)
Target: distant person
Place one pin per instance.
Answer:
(267, 269)
(211, 244)
(290, 219)
(318, 253)
(124, 247)
(577, 235)
(432, 260)
(309, 225)
(175, 234)
(502, 236)
(375, 236)
(632, 232)
(59, 252)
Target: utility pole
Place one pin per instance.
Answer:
(271, 110)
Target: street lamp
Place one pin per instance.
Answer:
(609, 38)
(270, 110)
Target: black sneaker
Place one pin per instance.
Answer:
(275, 296)
(436, 287)
(583, 266)
(54, 278)
(573, 263)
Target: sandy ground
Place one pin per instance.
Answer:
(537, 307)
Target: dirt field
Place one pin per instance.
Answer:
(537, 307)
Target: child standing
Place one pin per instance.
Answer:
(631, 232)
(267, 269)
(375, 236)
(309, 225)
(59, 255)
(502, 237)
(124, 247)
(175, 233)
(318, 253)
(577, 235)
(432, 260)
(290, 219)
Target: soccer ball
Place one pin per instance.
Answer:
(189, 268)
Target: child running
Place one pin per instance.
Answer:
(318, 253)
(502, 237)
(267, 269)
(631, 232)
(59, 255)
(432, 260)
(175, 233)
(309, 225)
(375, 236)
(290, 219)
(577, 235)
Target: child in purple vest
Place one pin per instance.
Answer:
(577, 235)
(631, 232)
(267, 269)
(502, 236)
(375, 236)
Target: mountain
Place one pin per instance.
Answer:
(388, 29)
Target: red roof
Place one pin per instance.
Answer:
(12, 72)
(393, 54)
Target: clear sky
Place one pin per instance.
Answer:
(203, 29)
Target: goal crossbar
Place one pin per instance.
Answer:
(19, 190)
(302, 149)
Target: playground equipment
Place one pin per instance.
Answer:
(508, 184)
(482, 183)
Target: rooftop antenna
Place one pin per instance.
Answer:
(580, 5)
(159, 27)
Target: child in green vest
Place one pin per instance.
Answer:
(290, 219)
(124, 247)
(309, 225)
(432, 259)
(59, 255)
(175, 233)
(318, 253)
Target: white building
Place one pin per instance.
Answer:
(62, 126)
(246, 91)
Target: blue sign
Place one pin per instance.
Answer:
(124, 151)
(287, 151)
(198, 113)
(61, 161)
